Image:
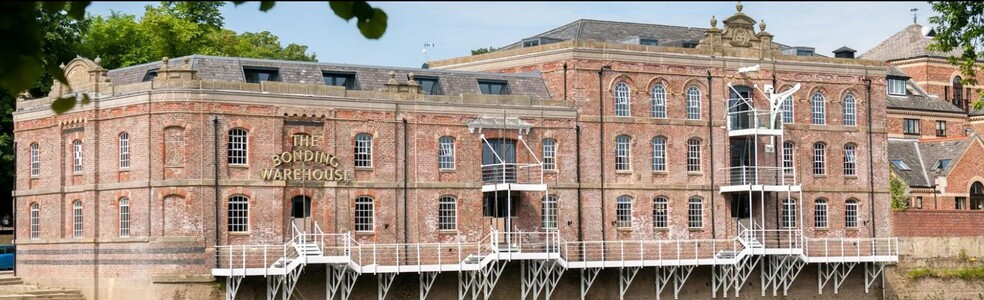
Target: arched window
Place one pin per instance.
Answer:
(820, 213)
(124, 150)
(659, 154)
(77, 156)
(787, 110)
(238, 148)
(819, 109)
(660, 212)
(819, 158)
(35, 221)
(958, 95)
(623, 212)
(549, 212)
(124, 217)
(238, 215)
(850, 110)
(622, 153)
(549, 154)
(693, 103)
(849, 159)
(622, 99)
(659, 101)
(365, 211)
(363, 150)
(447, 213)
(35, 160)
(446, 154)
(693, 155)
(851, 213)
(788, 213)
(977, 196)
(695, 213)
(77, 219)
(787, 157)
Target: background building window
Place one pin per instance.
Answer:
(851, 214)
(961, 203)
(659, 101)
(693, 155)
(659, 154)
(819, 158)
(910, 126)
(124, 150)
(820, 213)
(489, 87)
(365, 210)
(660, 212)
(346, 80)
(256, 74)
(819, 109)
(363, 150)
(622, 153)
(549, 212)
(849, 159)
(238, 147)
(787, 157)
(623, 212)
(695, 213)
(941, 128)
(549, 154)
(77, 156)
(35, 160)
(693, 103)
(35, 221)
(448, 213)
(429, 85)
(896, 87)
(124, 217)
(787, 110)
(446, 154)
(622, 99)
(77, 219)
(788, 213)
(238, 215)
(850, 110)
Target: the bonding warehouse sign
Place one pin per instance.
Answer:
(305, 153)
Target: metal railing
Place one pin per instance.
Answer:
(851, 247)
(775, 238)
(407, 256)
(750, 119)
(754, 175)
(512, 173)
(613, 253)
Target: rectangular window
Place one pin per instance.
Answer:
(940, 128)
(787, 110)
(659, 154)
(849, 160)
(531, 43)
(363, 150)
(35, 221)
(429, 85)
(238, 218)
(237, 147)
(622, 153)
(124, 218)
(35, 160)
(961, 203)
(896, 87)
(900, 165)
(364, 213)
(787, 158)
(77, 155)
(693, 155)
(695, 213)
(648, 42)
(910, 126)
(490, 87)
(77, 219)
(660, 212)
(124, 150)
(257, 74)
(549, 154)
(819, 159)
(447, 213)
(550, 213)
(820, 214)
(446, 154)
(623, 212)
(851, 214)
(346, 80)
(788, 214)
(919, 202)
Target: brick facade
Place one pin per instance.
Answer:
(937, 223)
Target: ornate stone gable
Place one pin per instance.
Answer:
(738, 38)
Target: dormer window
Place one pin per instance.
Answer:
(900, 165)
(257, 74)
(346, 80)
(531, 43)
(690, 44)
(429, 85)
(896, 87)
(493, 87)
(941, 164)
(150, 75)
(648, 42)
(803, 52)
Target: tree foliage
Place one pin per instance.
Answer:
(483, 50)
(899, 191)
(960, 26)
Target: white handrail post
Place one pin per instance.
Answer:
(244, 258)
(265, 260)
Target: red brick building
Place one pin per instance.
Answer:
(578, 149)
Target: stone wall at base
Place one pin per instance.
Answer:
(936, 254)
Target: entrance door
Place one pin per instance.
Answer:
(300, 213)
(741, 210)
(500, 207)
(740, 108)
(742, 161)
(499, 161)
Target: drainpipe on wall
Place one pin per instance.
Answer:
(710, 135)
(580, 224)
(565, 82)
(601, 149)
(215, 142)
(405, 173)
(871, 171)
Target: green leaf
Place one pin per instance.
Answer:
(343, 9)
(373, 27)
(58, 74)
(266, 5)
(52, 6)
(63, 104)
(237, 3)
(77, 9)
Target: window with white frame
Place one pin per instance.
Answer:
(695, 213)
(693, 155)
(849, 159)
(448, 213)
(238, 147)
(818, 104)
(788, 213)
(693, 103)
(77, 156)
(124, 217)
(623, 212)
(787, 110)
(363, 150)
(622, 99)
(820, 213)
(910, 126)
(35, 160)
(659, 101)
(238, 215)
(124, 150)
(365, 211)
(896, 87)
(851, 213)
(446, 155)
(549, 154)
(35, 221)
(850, 110)
(77, 219)
(659, 154)
(819, 158)
(660, 212)
(549, 212)
(787, 157)
(622, 153)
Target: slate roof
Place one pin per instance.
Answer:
(908, 152)
(908, 43)
(619, 32)
(932, 152)
(917, 99)
(368, 78)
(922, 156)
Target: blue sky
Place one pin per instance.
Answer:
(457, 27)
